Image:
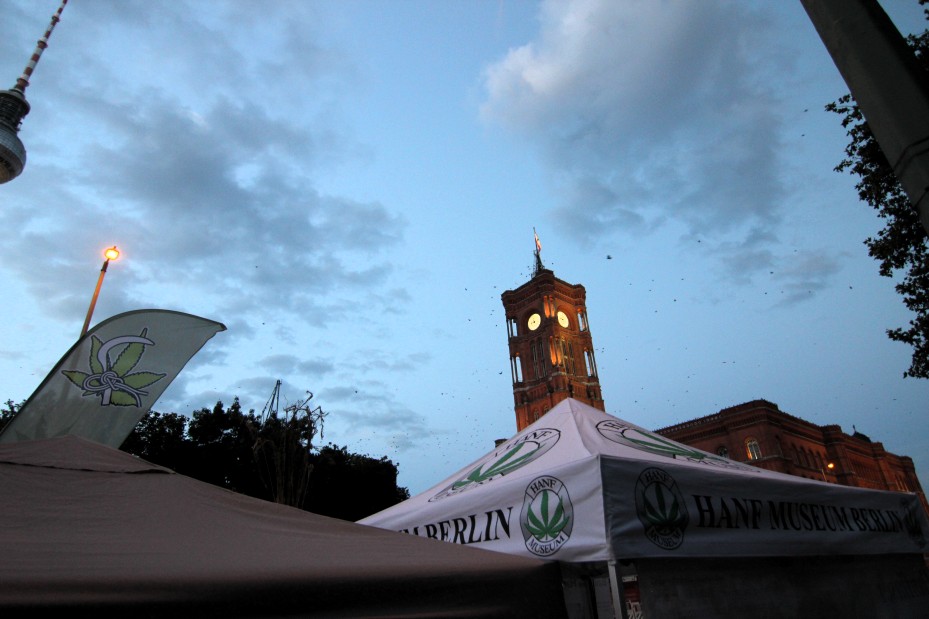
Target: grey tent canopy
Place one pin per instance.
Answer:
(89, 529)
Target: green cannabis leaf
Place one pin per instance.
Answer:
(546, 526)
(662, 514)
(507, 463)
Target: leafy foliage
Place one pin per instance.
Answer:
(9, 409)
(903, 244)
(351, 486)
(231, 448)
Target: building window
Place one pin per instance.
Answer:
(753, 449)
(538, 360)
(722, 451)
(553, 353)
(590, 362)
(566, 354)
(581, 321)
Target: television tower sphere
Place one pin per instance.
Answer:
(13, 106)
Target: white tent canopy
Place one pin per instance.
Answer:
(581, 485)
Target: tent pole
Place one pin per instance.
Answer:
(619, 611)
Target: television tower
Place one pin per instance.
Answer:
(14, 107)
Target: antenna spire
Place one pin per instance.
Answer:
(42, 43)
(14, 107)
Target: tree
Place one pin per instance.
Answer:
(11, 408)
(221, 440)
(161, 438)
(351, 486)
(902, 246)
(282, 445)
(270, 457)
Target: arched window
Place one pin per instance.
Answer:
(538, 360)
(517, 369)
(566, 354)
(752, 449)
(511, 326)
(590, 362)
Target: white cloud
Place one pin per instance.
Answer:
(647, 111)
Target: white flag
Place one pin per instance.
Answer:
(111, 377)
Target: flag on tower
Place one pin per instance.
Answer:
(538, 243)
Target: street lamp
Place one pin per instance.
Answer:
(829, 466)
(110, 254)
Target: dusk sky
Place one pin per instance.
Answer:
(350, 185)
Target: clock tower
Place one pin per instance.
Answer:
(551, 350)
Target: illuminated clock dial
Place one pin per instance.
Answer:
(563, 319)
(534, 321)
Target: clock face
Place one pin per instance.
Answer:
(563, 319)
(534, 321)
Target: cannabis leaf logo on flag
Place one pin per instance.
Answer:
(113, 380)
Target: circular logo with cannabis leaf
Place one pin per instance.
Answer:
(912, 520)
(509, 457)
(111, 377)
(637, 438)
(660, 507)
(547, 518)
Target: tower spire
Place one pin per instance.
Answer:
(538, 254)
(14, 107)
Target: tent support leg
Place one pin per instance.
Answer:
(616, 592)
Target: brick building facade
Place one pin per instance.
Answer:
(552, 358)
(759, 433)
(551, 350)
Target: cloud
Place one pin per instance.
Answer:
(380, 360)
(291, 364)
(191, 150)
(375, 413)
(648, 113)
(805, 274)
(172, 197)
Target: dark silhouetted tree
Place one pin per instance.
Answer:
(351, 486)
(222, 442)
(282, 445)
(161, 438)
(269, 457)
(902, 246)
(9, 409)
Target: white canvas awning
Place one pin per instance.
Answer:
(581, 485)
